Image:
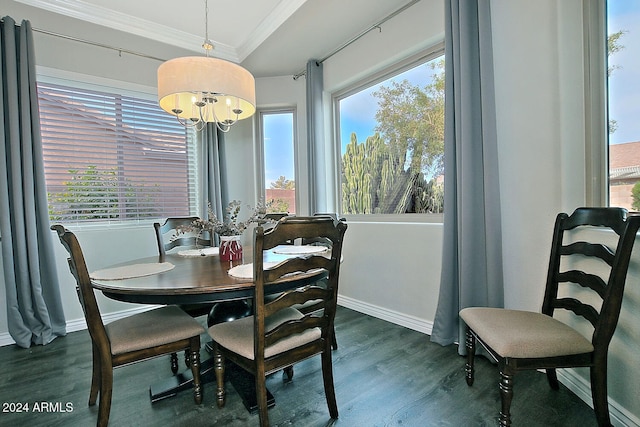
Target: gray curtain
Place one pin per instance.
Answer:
(472, 248)
(214, 187)
(315, 136)
(34, 306)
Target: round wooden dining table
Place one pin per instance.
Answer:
(193, 280)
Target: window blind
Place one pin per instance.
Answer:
(113, 157)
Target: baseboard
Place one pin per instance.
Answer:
(5, 339)
(402, 319)
(581, 388)
(81, 324)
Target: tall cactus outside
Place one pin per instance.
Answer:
(354, 188)
(387, 172)
(375, 181)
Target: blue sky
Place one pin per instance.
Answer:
(278, 146)
(624, 82)
(357, 112)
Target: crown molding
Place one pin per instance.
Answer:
(268, 26)
(118, 21)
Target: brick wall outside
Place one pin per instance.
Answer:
(288, 196)
(621, 156)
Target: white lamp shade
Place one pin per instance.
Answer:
(183, 81)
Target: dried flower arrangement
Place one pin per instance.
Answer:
(229, 225)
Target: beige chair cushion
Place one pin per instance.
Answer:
(237, 335)
(151, 328)
(524, 334)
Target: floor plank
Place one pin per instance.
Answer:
(385, 375)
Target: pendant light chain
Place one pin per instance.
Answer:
(207, 45)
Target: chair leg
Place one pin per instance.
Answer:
(218, 366)
(106, 389)
(95, 378)
(187, 361)
(470, 345)
(334, 341)
(261, 397)
(599, 394)
(288, 373)
(506, 395)
(552, 378)
(174, 363)
(329, 390)
(194, 363)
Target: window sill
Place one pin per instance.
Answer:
(396, 218)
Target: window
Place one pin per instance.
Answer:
(623, 43)
(279, 161)
(391, 135)
(112, 157)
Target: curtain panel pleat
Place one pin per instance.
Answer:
(472, 272)
(34, 307)
(315, 136)
(213, 178)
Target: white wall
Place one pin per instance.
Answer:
(529, 140)
(392, 271)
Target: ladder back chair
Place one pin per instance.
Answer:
(310, 306)
(278, 335)
(586, 271)
(143, 336)
(168, 239)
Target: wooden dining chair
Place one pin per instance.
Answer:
(586, 266)
(169, 239)
(131, 339)
(311, 306)
(278, 335)
(272, 217)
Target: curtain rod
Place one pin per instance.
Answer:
(377, 25)
(105, 46)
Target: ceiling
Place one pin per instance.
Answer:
(268, 37)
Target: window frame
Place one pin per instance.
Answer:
(260, 155)
(433, 52)
(596, 103)
(94, 83)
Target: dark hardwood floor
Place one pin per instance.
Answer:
(385, 375)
